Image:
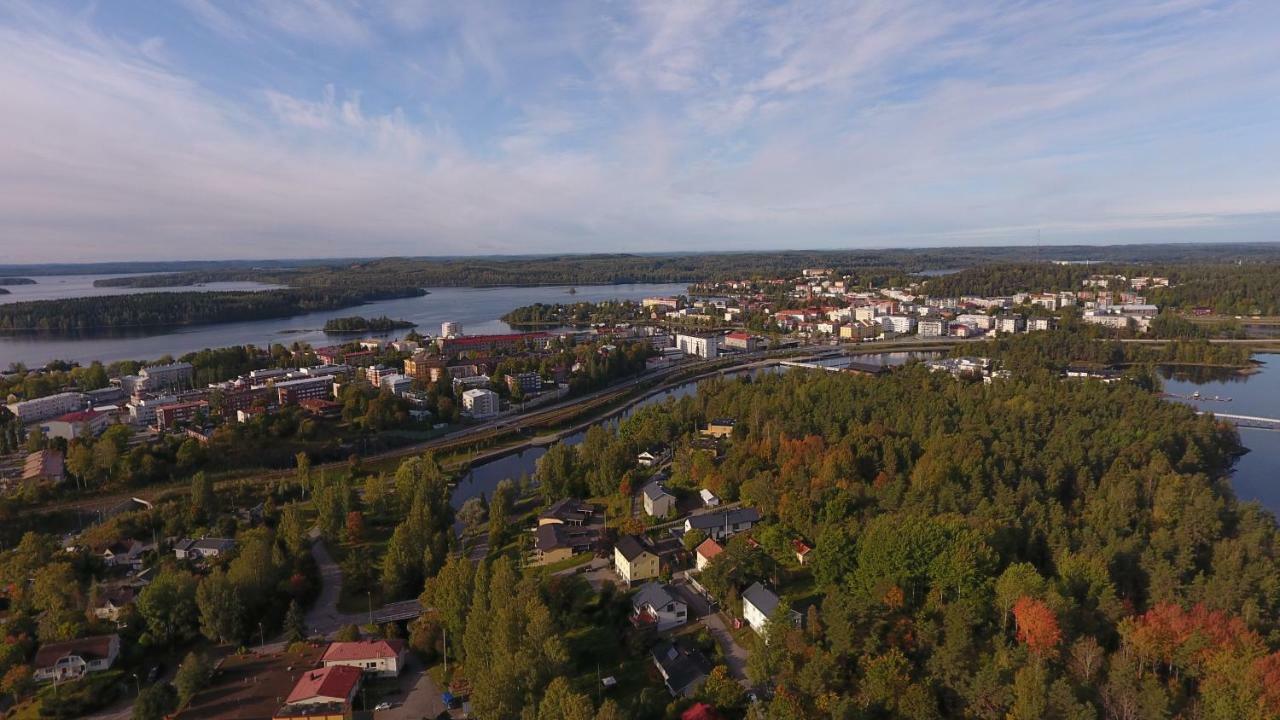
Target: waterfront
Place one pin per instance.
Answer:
(1256, 394)
(478, 309)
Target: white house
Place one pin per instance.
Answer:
(480, 403)
(384, 658)
(75, 658)
(704, 346)
(653, 456)
(191, 549)
(758, 604)
(723, 525)
(706, 552)
(654, 604)
(657, 501)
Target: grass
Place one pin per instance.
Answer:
(570, 562)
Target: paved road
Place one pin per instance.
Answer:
(419, 696)
(324, 618)
(735, 656)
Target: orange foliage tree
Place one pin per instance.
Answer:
(1037, 626)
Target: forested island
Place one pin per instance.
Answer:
(3, 291)
(581, 313)
(148, 310)
(16, 281)
(357, 324)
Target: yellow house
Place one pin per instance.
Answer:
(720, 427)
(633, 560)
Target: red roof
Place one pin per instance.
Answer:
(363, 650)
(709, 548)
(739, 335)
(337, 682)
(801, 547)
(79, 416)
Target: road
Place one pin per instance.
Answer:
(324, 619)
(419, 696)
(735, 656)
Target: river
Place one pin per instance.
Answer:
(1253, 477)
(1257, 472)
(478, 309)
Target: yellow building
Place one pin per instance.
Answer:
(634, 561)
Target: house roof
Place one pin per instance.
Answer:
(709, 548)
(78, 416)
(337, 682)
(682, 665)
(707, 521)
(727, 422)
(89, 648)
(655, 491)
(363, 650)
(43, 463)
(762, 598)
(630, 547)
(801, 547)
(653, 594)
(568, 509)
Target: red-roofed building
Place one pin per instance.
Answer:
(801, 549)
(742, 341)
(330, 684)
(706, 552)
(167, 416)
(384, 658)
(472, 344)
(82, 423)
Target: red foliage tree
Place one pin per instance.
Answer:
(1179, 638)
(1037, 626)
(355, 526)
(700, 711)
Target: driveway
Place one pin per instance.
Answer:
(324, 619)
(419, 697)
(735, 656)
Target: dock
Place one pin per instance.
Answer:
(1246, 421)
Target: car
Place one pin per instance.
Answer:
(382, 706)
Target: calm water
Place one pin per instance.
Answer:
(478, 309)
(1257, 474)
(57, 287)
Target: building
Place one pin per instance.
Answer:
(654, 456)
(802, 550)
(657, 501)
(723, 525)
(489, 343)
(173, 376)
(981, 321)
(709, 499)
(173, 414)
(480, 403)
(759, 604)
(570, 511)
(113, 603)
(661, 303)
(82, 423)
(655, 606)
(450, 329)
(75, 658)
(424, 367)
(1010, 324)
(375, 373)
(49, 406)
(931, 327)
(1041, 323)
(553, 542)
(123, 553)
(634, 560)
(329, 684)
(193, 549)
(44, 466)
(703, 346)
(1115, 321)
(745, 342)
(396, 384)
(239, 398)
(706, 552)
(383, 658)
(290, 392)
(683, 668)
(720, 427)
(526, 382)
(900, 324)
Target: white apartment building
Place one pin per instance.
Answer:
(982, 321)
(901, 324)
(1010, 323)
(164, 377)
(44, 408)
(480, 403)
(395, 382)
(451, 329)
(931, 328)
(703, 346)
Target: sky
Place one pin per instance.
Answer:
(204, 129)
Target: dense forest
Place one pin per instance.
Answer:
(16, 281)
(357, 324)
(184, 308)
(581, 313)
(1057, 349)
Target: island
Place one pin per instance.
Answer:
(16, 281)
(357, 324)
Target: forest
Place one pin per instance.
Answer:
(357, 324)
(1055, 350)
(16, 281)
(581, 313)
(147, 310)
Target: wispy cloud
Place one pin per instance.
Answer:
(320, 127)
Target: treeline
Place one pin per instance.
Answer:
(16, 281)
(150, 310)
(357, 324)
(580, 313)
(1057, 349)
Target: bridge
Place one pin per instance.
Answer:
(1247, 421)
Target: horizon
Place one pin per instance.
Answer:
(309, 128)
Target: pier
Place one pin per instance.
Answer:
(1248, 421)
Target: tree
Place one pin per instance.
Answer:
(721, 690)
(168, 608)
(192, 676)
(295, 624)
(355, 527)
(1037, 626)
(473, 513)
(347, 633)
(16, 681)
(221, 610)
(693, 539)
(155, 702)
(204, 501)
(560, 702)
(293, 530)
(609, 710)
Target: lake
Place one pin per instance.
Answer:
(478, 309)
(1257, 473)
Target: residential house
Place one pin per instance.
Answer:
(634, 560)
(330, 684)
(44, 465)
(554, 542)
(113, 603)
(707, 551)
(198, 549)
(759, 604)
(709, 499)
(802, 550)
(719, 427)
(725, 524)
(654, 605)
(75, 658)
(657, 501)
(383, 658)
(654, 456)
(123, 553)
(683, 668)
(570, 511)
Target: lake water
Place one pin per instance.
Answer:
(1257, 473)
(478, 309)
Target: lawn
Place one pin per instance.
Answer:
(570, 562)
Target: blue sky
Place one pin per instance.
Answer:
(210, 129)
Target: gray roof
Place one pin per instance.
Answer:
(707, 521)
(652, 593)
(630, 547)
(683, 666)
(762, 598)
(655, 491)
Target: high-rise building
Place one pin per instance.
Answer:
(450, 329)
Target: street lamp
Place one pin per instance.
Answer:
(369, 594)
(137, 684)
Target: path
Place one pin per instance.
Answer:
(735, 656)
(419, 697)
(324, 618)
